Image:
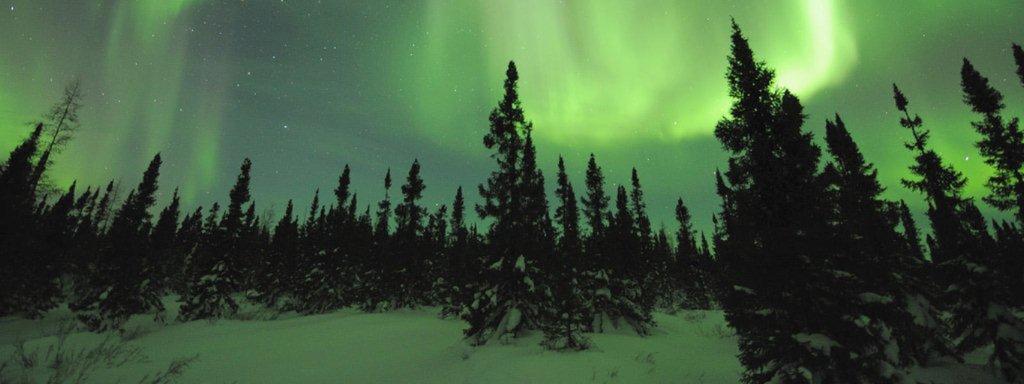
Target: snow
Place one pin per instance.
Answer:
(917, 306)
(874, 298)
(817, 342)
(403, 346)
(740, 288)
(521, 264)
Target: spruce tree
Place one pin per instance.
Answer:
(52, 244)
(650, 270)
(775, 248)
(962, 249)
(887, 271)
(618, 297)
(911, 236)
(379, 277)
(462, 270)
(1001, 144)
(327, 277)
(570, 243)
(408, 256)
(123, 284)
(595, 203)
(691, 278)
(435, 240)
(274, 277)
(167, 257)
(570, 315)
(217, 274)
(17, 201)
(508, 299)
(233, 227)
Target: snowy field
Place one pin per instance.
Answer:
(348, 346)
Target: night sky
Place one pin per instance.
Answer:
(304, 87)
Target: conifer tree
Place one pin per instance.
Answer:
(234, 225)
(650, 270)
(691, 276)
(595, 203)
(535, 214)
(327, 277)
(911, 236)
(775, 246)
(188, 238)
(507, 302)
(166, 227)
(408, 258)
(61, 123)
(17, 201)
(435, 239)
(462, 270)
(167, 257)
(980, 305)
(618, 297)
(52, 243)
(273, 280)
(570, 315)
(123, 284)
(379, 270)
(570, 244)
(887, 271)
(217, 274)
(384, 208)
(311, 236)
(1001, 144)
(102, 211)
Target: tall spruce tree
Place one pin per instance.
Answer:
(1001, 144)
(327, 278)
(52, 244)
(17, 201)
(618, 299)
(775, 246)
(462, 269)
(567, 215)
(651, 270)
(911, 236)
(888, 278)
(379, 276)
(167, 257)
(691, 276)
(122, 285)
(569, 316)
(217, 273)
(409, 273)
(281, 266)
(435, 263)
(595, 202)
(508, 300)
(979, 304)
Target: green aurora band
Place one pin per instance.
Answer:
(304, 88)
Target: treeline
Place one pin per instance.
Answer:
(112, 258)
(823, 279)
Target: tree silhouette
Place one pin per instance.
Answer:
(507, 302)
(962, 249)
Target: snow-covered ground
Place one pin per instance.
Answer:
(348, 346)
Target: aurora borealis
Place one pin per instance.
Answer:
(304, 87)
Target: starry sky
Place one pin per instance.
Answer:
(305, 87)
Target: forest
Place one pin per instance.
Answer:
(822, 279)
